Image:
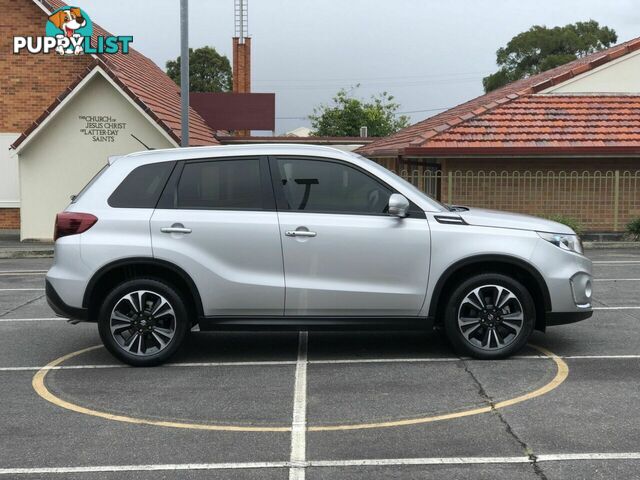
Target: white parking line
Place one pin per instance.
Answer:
(630, 307)
(568, 457)
(22, 271)
(399, 462)
(299, 423)
(316, 362)
(616, 279)
(142, 468)
(617, 262)
(49, 319)
(17, 273)
(21, 289)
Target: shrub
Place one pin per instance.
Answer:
(633, 228)
(570, 222)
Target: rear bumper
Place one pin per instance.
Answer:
(562, 318)
(62, 309)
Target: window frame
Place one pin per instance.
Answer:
(283, 206)
(169, 196)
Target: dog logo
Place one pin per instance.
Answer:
(71, 23)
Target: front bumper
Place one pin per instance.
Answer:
(62, 309)
(563, 318)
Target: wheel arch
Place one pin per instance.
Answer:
(520, 269)
(130, 268)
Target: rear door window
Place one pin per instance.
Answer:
(228, 184)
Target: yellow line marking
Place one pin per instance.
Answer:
(561, 376)
(41, 389)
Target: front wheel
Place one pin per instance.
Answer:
(489, 316)
(143, 322)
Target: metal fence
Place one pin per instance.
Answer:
(599, 200)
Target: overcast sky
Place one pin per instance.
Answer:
(430, 54)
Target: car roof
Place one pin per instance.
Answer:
(152, 156)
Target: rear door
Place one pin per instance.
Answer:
(344, 255)
(217, 220)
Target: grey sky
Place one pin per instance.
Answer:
(430, 54)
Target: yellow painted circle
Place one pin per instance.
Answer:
(41, 389)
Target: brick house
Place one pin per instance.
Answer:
(54, 157)
(565, 141)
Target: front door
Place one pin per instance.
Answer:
(343, 254)
(217, 221)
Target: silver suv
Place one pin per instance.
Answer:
(288, 236)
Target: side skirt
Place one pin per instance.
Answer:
(217, 323)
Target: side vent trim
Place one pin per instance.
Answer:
(447, 220)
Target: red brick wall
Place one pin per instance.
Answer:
(29, 83)
(9, 218)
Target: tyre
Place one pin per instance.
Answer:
(143, 322)
(489, 316)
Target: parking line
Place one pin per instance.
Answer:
(268, 363)
(39, 386)
(630, 307)
(22, 271)
(617, 262)
(49, 319)
(374, 462)
(141, 468)
(616, 279)
(21, 289)
(299, 422)
(569, 457)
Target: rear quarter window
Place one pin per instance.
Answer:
(142, 187)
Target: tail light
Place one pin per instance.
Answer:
(72, 223)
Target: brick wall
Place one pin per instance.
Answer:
(9, 218)
(29, 83)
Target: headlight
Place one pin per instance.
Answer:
(570, 243)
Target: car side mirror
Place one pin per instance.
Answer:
(398, 205)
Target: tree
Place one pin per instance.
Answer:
(541, 48)
(208, 71)
(347, 114)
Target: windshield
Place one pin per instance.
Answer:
(437, 205)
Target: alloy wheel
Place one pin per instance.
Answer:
(490, 317)
(143, 323)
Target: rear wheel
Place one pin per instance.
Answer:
(489, 316)
(143, 322)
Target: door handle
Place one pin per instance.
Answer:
(300, 233)
(175, 230)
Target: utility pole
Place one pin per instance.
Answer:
(184, 69)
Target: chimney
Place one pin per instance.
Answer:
(241, 65)
(241, 53)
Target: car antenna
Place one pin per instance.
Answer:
(143, 144)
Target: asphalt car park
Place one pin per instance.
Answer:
(321, 405)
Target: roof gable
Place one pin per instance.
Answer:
(423, 133)
(144, 82)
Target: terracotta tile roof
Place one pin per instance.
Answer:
(145, 83)
(423, 134)
(559, 121)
